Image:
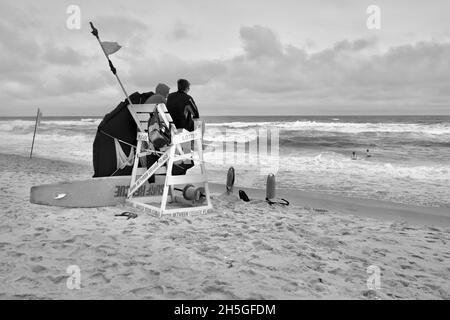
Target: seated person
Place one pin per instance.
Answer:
(160, 96)
(183, 111)
(182, 107)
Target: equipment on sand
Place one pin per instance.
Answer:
(129, 215)
(94, 192)
(230, 180)
(193, 193)
(243, 196)
(270, 191)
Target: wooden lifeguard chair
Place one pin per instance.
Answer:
(178, 205)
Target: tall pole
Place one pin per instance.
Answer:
(34, 134)
(111, 66)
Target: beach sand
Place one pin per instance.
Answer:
(319, 247)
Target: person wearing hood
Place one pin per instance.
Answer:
(161, 93)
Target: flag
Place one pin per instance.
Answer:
(39, 116)
(110, 47)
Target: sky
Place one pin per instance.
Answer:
(242, 57)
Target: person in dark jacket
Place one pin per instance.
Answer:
(182, 107)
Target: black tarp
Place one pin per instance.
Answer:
(119, 124)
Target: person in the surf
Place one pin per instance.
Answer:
(182, 107)
(354, 157)
(368, 155)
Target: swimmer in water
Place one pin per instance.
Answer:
(354, 157)
(368, 155)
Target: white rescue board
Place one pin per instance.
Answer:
(94, 192)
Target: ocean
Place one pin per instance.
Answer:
(409, 162)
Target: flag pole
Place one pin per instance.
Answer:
(34, 134)
(111, 66)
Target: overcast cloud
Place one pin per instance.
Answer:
(270, 57)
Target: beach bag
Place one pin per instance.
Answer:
(158, 132)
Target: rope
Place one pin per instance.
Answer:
(135, 147)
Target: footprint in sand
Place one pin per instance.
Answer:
(152, 291)
(219, 292)
(317, 285)
(38, 269)
(405, 267)
(57, 279)
(99, 277)
(370, 294)
(71, 240)
(290, 287)
(28, 280)
(260, 245)
(36, 259)
(15, 254)
(337, 271)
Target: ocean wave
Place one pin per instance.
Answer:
(96, 120)
(66, 123)
(27, 125)
(343, 127)
(16, 125)
(332, 164)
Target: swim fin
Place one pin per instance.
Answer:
(243, 196)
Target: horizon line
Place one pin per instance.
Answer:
(248, 115)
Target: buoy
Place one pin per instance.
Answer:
(270, 187)
(230, 180)
(270, 192)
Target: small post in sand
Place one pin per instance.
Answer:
(38, 120)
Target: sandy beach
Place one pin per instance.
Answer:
(320, 247)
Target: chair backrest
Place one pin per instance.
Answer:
(142, 112)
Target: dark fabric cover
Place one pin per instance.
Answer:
(120, 124)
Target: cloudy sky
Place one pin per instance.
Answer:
(249, 57)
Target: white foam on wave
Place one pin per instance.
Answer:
(14, 125)
(74, 148)
(215, 134)
(95, 122)
(26, 125)
(345, 127)
(337, 163)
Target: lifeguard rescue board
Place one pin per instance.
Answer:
(94, 192)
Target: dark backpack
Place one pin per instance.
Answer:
(158, 132)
